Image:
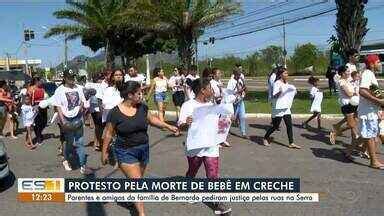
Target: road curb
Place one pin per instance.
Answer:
(268, 115)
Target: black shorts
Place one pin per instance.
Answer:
(348, 109)
(178, 98)
(96, 117)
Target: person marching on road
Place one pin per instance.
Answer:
(208, 155)
(237, 84)
(280, 90)
(129, 122)
(70, 102)
(316, 97)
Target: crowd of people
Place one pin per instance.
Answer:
(116, 101)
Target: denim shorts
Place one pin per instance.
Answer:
(159, 96)
(134, 154)
(369, 128)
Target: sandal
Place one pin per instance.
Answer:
(380, 167)
(348, 156)
(332, 137)
(97, 148)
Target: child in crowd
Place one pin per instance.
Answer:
(316, 97)
(28, 113)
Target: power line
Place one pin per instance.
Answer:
(276, 25)
(258, 11)
(270, 16)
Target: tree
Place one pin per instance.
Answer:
(94, 21)
(351, 25)
(184, 20)
(257, 65)
(272, 55)
(304, 56)
(94, 67)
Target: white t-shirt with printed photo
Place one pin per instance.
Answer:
(69, 100)
(277, 86)
(177, 83)
(367, 109)
(186, 111)
(28, 115)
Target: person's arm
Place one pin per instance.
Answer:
(5, 99)
(348, 90)
(155, 121)
(151, 89)
(186, 124)
(107, 138)
(366, 93)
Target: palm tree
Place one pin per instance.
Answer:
(185, 20)
(94, 21)
(351, 25)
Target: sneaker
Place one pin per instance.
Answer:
(266, 143)
(85, 170)
(294, 146)
(244, 136)
(221, 209)
(66, 166)
(225, 144)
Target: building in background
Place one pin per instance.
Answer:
(8, 64)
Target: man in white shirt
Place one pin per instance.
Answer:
(70, 102)
(135, 76)
(368, 110)
(237, 84)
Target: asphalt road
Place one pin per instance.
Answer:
(346, 188)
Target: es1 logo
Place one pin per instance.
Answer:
(40, 185)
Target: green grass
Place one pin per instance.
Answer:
(301, 104)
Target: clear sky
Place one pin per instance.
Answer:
(37, 14)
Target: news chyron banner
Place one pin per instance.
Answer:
(163, 190)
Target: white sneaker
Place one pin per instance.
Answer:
(266, 143)
(85, 170)
(66, 166)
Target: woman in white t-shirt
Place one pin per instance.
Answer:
(208, 155)
(281, 88)
(160, 86)
(111, 95)
(176, 82)
(347, 91)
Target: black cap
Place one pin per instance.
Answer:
(69, 73)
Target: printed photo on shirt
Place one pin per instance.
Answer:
(73, 99)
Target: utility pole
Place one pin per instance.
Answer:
(148, 73)
(196, 60)
(65, 53)
(285, 48)
(7, 62)
(25, 50)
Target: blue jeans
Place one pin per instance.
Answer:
(75, 138)
(240, 113)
